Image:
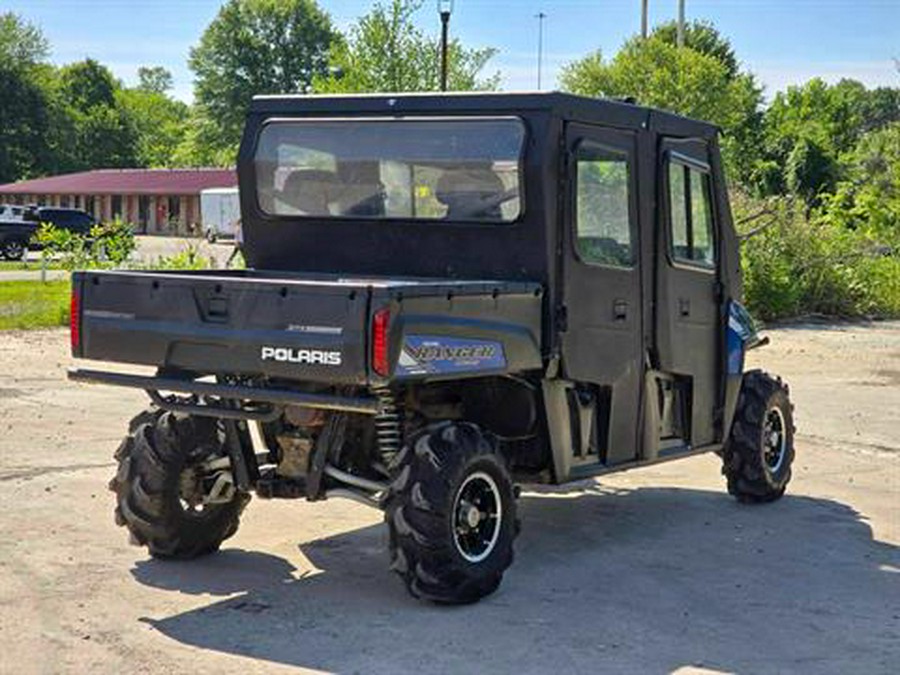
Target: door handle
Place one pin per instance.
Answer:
(620, 310)
(684, 307)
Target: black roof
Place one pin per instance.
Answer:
(568, 106)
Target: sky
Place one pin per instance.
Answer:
(782, 41)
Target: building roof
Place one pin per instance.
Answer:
(126, 181)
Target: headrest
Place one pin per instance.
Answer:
(467, 181)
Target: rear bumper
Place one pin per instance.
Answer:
(237, 395)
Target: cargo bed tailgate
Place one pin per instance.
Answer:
(225, 322)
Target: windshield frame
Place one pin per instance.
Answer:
(388, 219)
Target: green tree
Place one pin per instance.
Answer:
(703, 37)
(257, 47)
(93, 131)
(868, 197)
(657, 74)
(21, 43)
(810, 170)
(87, 84)
(385, 52)
(881, 108)
(743, 142)
(154, 79)
(24, 125)
(200, 144)
(832, 117)
(24, 105)
(105, 138)
(160, 124)
(685, 81)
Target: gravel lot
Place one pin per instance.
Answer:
(650, 571)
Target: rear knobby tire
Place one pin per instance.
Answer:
(759, 453)
(451, 514)
(149, 488)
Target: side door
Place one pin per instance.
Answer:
(688, 289)
(602, 344)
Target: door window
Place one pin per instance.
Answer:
(691, 219)
(602, 206)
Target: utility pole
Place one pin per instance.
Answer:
(540, 16)
(680, 40)
(445, 7)
(644, 18)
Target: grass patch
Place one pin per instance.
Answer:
(22, 266)
(31, 304)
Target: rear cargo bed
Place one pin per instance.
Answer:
(279, 325)
(221, 321)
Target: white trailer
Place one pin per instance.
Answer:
(220, 211)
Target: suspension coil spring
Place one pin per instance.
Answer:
(388, 421)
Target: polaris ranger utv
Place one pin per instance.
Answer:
(446, 296)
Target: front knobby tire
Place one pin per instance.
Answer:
(759, 453)
(154, 477)
(451, 513)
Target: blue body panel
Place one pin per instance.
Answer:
(741, 334)
(444, 355)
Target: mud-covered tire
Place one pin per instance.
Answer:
(159, 447)
(437, 468)
(759, 453)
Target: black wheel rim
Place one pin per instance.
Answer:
(194, 487)
(191, 492)
(477, 517)
(13, 250)
(774, 440)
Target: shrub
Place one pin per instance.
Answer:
(107, 245)
(794, 265)
(114, 241)
(188, 258)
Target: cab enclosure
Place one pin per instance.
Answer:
(618, 213)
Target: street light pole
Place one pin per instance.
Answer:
(644, 18)
(445, 8)
(680, 39)
(540, 16)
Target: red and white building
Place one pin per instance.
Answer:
(154, 201)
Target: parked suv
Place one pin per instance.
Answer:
(12, 212)
(18, 225)
(75, 220)
(16, 230)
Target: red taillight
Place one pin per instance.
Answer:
(381, 322)
(75, 321)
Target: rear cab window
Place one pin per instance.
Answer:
(454, 169)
